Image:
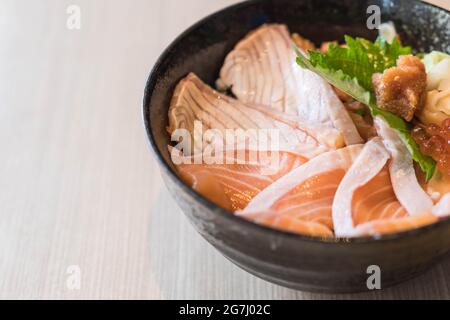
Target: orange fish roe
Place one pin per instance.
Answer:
(434, 141)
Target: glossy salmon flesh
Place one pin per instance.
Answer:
(315, 175)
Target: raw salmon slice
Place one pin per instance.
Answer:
(365, 202)
(386, 226)
(233, 186)
(376, 200)
(262, 70)
(402, 174)
(290, 223)
(195, 101)
(306, 193)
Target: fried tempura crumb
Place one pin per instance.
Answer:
(401, 89)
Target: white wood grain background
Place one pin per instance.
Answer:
(78, 185)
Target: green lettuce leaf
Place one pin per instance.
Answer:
(360, 58)
(351, 69)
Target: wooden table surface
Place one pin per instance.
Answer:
(83, 211)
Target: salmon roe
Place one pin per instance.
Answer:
(434, 141)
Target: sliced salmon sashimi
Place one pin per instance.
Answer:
(376, 200)
(401, 169)
(369, 163)
(233, 186)
(262, 70)
(365, 202)
(287, 222)
(307, 192)
(194, 101)
(386, 226)
(312, 174)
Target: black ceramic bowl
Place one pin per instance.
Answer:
(300, 262)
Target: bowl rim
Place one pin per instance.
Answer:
(245, 223)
